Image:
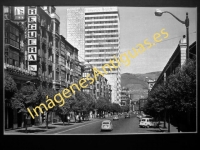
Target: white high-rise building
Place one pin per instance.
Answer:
(101, 38)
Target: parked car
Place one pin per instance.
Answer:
(115, 117)
(86, 117)
(146, 122)
(139, 116)
(127, 115)
(106, 125)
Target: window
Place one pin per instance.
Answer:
(57, 75)
(57, 43)
(62, 60)
(57, 59)
(57, 28)
(63, 74)
(14, 37)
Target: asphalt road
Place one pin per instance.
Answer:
(121, 126)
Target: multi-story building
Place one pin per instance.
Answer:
(35, 51)
(31, 49)
(99, 88)
(14, 60)
(125, 97)
(75, 29)
(101, 36)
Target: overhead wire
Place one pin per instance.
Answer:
(144, 46)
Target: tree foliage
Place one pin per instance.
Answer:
(178, 94)
(9, 85)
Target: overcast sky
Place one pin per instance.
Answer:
(140, 23)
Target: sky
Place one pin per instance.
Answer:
(140, 23)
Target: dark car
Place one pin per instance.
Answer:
(127, 115)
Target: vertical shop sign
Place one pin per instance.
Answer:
(32, 38)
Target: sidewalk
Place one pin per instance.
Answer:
(41, 129)
(173, 129)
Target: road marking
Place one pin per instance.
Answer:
(77, 127)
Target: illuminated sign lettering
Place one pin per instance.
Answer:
(32, 38)
(32, 67)
(19, 13)
(32, 49)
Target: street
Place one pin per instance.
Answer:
(121, 126)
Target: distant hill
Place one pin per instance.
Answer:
(137, 83)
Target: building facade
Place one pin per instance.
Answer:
(98, 32)
(35, 51)
(100, 87)
(125, 97)
(75, 29)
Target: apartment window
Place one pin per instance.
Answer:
(57, 28)
(13, 58)
(97, 86)
(57, 75)
(14, 37)
(62, 60)
(57, 43)
(100, 17)
(63, 74)
(57, 59)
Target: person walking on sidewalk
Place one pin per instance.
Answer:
(68, 119)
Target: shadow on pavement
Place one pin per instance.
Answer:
(61, 124)
(156, 130)
(106, 131)
(31, 131)
(44, 127)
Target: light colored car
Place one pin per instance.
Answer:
(146, 122)
(127, 115)
(115, 117)
(139, 116)
(106, 125)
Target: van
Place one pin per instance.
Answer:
(146, 122)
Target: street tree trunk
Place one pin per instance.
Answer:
(169, 123)
(47, 119)
(178, 121)
(63, 119)
(25, 122)
(189, 120)
(164, 119)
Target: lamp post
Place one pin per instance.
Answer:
(186, 22)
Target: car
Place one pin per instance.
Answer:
(146, 122)
(148, 116)
(115, 117)
(106, 125)
(127, 115)
(139, 116)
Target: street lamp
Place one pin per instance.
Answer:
(158, 12)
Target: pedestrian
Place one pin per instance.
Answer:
(68, 119)
(81, 118)
(77, 118)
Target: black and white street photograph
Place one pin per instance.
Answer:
(99, 70)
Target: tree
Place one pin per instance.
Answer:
(177, 95)
(9, 86)
(45, 94)
(91, 102)
(26, 97)
(69, 105)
